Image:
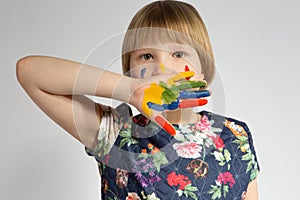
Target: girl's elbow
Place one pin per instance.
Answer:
(22, 69)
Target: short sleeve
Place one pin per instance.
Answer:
(242, 137)
(110, 124)
(256, 167)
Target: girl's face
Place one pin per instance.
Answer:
(156, 59)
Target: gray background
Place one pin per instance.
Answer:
(256, 46)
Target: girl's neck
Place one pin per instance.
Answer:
(182, 116)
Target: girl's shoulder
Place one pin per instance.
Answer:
(235, 126)
(232, 131)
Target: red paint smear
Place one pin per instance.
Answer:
(186, 68)
(165, 125)
(192, 103)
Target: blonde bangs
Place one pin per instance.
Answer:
(169, 21)
(140, 37)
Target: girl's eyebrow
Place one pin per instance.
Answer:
(180, 46)
(163, 45)
(137, 51)
(142, 49)
(166, 47)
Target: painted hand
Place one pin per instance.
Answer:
(177, 92)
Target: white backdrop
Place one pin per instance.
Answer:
(256, 46)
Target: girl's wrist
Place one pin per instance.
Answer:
(124, 89)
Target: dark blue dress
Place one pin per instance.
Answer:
(211, 159)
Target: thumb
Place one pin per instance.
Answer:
(163, 123)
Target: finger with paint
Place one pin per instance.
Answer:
(153, 94)
(180, 76)
(186, 100)
(192, 103)
(173, 95)
(165, 125)
(193, 94)
(174, 105)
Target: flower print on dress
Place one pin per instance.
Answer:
(188, 149)
(243, 144)
(127, 138)
(191, 178)
(183, 183)
(225, 178)
(221, 187)
(195, 140)
(121, 178)
(148, 165)
(151, 196)
(252, 165)
(132, 196)
(236, 129)
(104, 184)
(178, 180)
(197, 132)
(221, 154)
(198, 167)
(155, 156)
(146, 173)
(218, 141)
(203, 124)
(190, 136)
(183, 129)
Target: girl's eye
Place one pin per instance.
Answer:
(147, 56)
(178, 54)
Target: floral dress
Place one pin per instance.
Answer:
(211, 159)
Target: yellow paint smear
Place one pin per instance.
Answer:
(162, 68)
(152, 94)
(180, 76)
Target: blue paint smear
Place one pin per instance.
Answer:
(172, 106)
(193, 94)
(155, 106)
(143, 71)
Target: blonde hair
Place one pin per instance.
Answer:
(175, 17)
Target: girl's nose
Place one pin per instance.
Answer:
(162, 69)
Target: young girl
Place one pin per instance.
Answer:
(168, 151)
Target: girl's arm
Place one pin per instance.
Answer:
(58, 87)
(252, 192)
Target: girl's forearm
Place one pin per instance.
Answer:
(65, 77)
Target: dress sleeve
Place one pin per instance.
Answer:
(111, 122)
(244, 141)
(256, 167)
